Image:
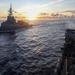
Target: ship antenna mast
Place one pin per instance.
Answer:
(10, 11)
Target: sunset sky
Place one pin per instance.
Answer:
(31, 8)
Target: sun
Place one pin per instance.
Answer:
(31, 11)
(31, 16)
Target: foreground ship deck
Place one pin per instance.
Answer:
(66, 65)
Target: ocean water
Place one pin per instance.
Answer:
(33, 51)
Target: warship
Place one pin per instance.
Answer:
(10, 24)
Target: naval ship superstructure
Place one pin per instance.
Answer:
(11, 24)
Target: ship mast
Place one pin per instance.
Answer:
(10, 11)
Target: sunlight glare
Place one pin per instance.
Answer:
(31, 16)
(31, 11)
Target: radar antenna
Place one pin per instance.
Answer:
(10, 11)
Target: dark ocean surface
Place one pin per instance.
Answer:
(33, 51)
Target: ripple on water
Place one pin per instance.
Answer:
(33, 51)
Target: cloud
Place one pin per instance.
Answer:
(53, 2)
(59, 5)
(47, 4)
(39, 7)
(71, 11)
